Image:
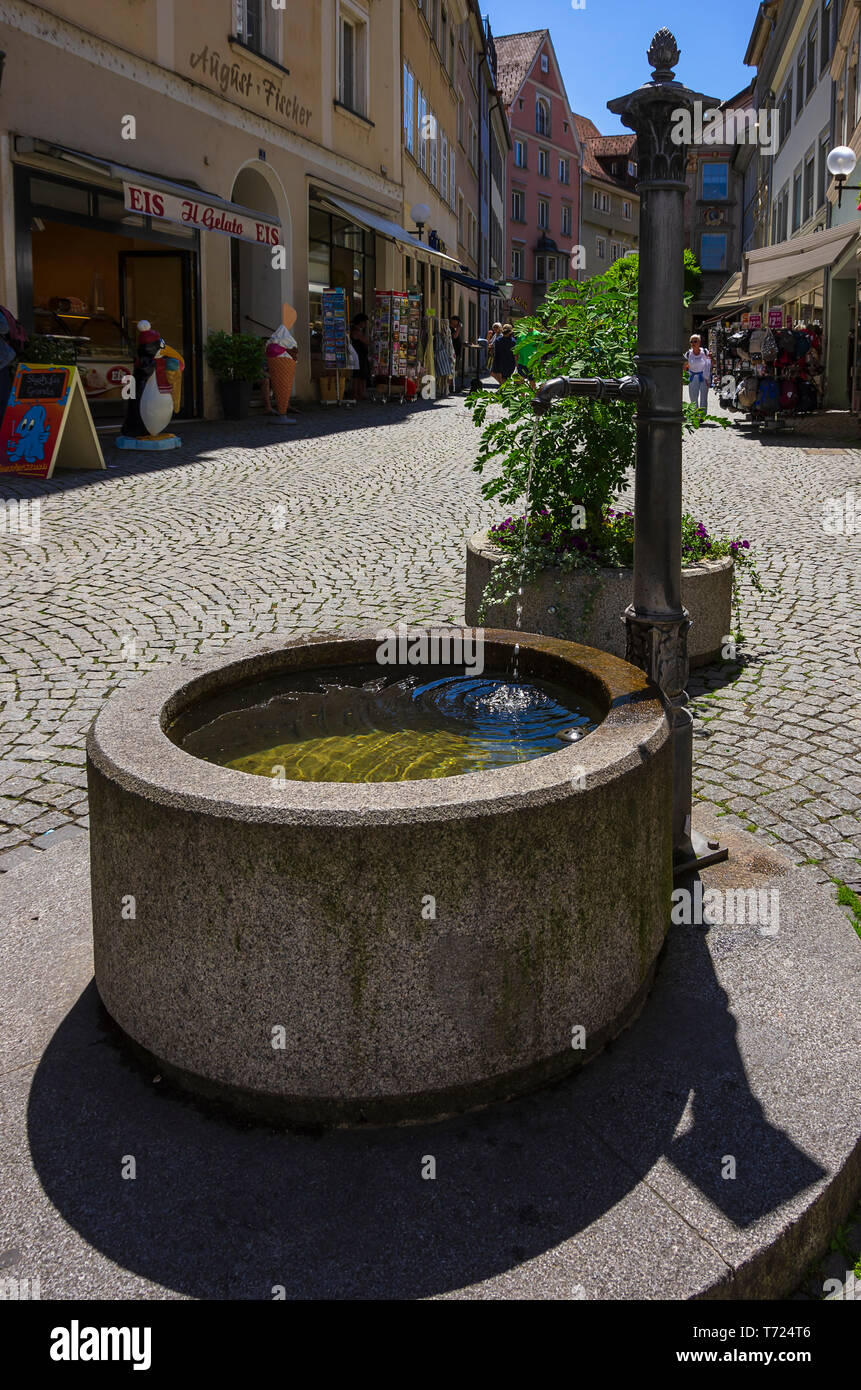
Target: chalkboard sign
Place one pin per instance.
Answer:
(47, 423)
(42, 386)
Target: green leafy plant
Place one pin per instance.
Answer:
(41, 348)
(572, 462)
(235, 356)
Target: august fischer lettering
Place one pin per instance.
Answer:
(232, 76)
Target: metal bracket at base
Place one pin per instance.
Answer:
(698, 854)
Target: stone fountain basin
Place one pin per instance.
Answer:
(323, 953)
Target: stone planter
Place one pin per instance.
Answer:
(588, 608)
(230, 911)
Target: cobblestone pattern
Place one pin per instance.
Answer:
(361, 517)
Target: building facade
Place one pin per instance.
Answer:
(201, 165)
(543, 168)
(610, 204)
(715, 203)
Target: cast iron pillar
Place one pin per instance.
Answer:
(657, 622)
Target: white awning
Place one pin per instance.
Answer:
(731, 294)
(393, 231)
(155, 196)
(792, 259)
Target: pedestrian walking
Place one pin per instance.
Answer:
(362, 344)
(457, 343)
(495, 332)
(504, 364)
(699, 365)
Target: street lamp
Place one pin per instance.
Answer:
(841, 164)
(420, 213)
(506, 288)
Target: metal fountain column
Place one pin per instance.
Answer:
(657, 623)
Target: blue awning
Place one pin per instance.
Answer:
(484, 286)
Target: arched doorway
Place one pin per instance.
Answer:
(258, 286)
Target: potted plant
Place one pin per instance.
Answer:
(566, 561)
(237, 359)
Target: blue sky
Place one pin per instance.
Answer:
(602, 48)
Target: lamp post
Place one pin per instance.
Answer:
(420, 213)
(841, 164)
(657, 622)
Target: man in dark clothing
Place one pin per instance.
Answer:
(457, 343)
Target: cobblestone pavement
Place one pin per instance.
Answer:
(361, 517)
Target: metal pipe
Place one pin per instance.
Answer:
(626, 388)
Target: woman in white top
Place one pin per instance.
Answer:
(699, 365)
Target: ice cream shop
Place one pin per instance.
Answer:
(100, 246)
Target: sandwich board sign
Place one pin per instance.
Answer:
(47, 423)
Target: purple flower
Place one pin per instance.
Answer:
(746, 545)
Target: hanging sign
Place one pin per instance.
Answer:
(47, 424)
(754, 320)
(195, 211)
(775, 318)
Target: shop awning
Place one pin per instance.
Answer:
(376, 223)
(154, 196)
(471, 283)
(731, 295)
(790, 260)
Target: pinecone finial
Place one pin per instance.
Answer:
(663, 56)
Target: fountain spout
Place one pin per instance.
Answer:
(596, 388)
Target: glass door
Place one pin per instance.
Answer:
(159, 286)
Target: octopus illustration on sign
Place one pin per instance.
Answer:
(30, 437)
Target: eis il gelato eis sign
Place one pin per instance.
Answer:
(194, 212)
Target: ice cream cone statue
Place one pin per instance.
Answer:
(282, 351)
(157, 389)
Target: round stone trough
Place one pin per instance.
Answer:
(327, 953)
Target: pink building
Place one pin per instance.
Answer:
(543, 168)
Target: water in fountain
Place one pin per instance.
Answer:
(354, 724)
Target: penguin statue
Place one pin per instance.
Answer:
(157, 388)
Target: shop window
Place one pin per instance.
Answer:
(715, 182)
(352, 58)
(713, 250)
(64, 196)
